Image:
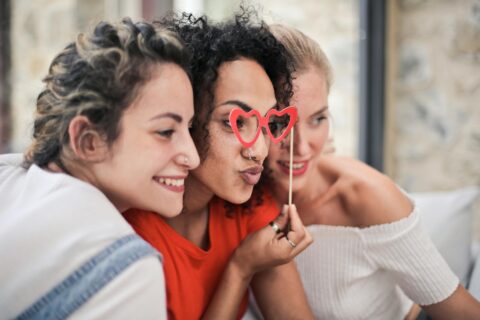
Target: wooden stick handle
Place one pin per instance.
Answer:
(291, 169)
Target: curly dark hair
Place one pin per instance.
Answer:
(212, 44)
(98, 76)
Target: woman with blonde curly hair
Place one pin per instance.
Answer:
(111, 132)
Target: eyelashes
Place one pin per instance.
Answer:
(318, 120)
(165, 133)
(226, 123)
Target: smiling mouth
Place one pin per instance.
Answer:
(172, 184)
(298, 168)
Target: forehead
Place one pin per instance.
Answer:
(246, 81)
(167, 90)
(309, 90)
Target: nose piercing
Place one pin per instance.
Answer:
(185, 160)
(250, 154)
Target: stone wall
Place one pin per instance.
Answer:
(436, 111)
(40, 29)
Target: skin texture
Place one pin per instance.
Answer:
(153, 143)
(246, 82)
(340, 191)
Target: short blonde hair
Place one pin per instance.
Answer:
(305, 51)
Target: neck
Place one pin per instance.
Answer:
(197, 195)
(192, 224)
(280, 194)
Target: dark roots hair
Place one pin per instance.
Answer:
(98, 76)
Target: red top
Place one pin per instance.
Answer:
(191, 273)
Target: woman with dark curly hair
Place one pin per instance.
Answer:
(216, 248)
(110, 133)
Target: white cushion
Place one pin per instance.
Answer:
(448, 217)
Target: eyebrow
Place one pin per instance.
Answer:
(171, 115)
(323, 109)
(243, 105)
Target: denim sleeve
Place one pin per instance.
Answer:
(86, 281)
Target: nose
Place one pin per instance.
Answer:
(300, 146)
(260, 147)
(188, 154)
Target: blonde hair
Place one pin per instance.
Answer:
(98, 76)
(305, 51)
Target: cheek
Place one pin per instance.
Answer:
(217, 163)
(148, 155)
(274, 152)
(224, 148)
(319, 139)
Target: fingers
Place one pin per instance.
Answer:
(288, 220)
(298, 237)
(282, 219)
(298, 242)
(291, 232)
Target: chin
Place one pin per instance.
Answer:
(297, 184)
(239, 197)
(168, 211)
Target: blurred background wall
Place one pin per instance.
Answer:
(431, 127)
(435, 112)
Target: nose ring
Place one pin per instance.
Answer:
(249, 153)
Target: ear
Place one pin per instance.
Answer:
(85, 142)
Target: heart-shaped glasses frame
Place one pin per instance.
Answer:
(263, 123)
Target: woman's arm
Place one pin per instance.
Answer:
(260, 251)
(279, 293)
(460, 305)
(229, 293)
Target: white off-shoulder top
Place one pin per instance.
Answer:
(374, 272)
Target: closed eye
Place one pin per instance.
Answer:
(318, 120)
(165, 133)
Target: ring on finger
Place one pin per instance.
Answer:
(275, 227)
(291, 243)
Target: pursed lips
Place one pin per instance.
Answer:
(252, 175)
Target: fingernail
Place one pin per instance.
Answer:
(284, 209)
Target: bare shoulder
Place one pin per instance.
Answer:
(368, 196)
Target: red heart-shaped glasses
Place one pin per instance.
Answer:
(247, 125)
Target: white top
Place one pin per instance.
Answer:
(368, 273)
(50, 225)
